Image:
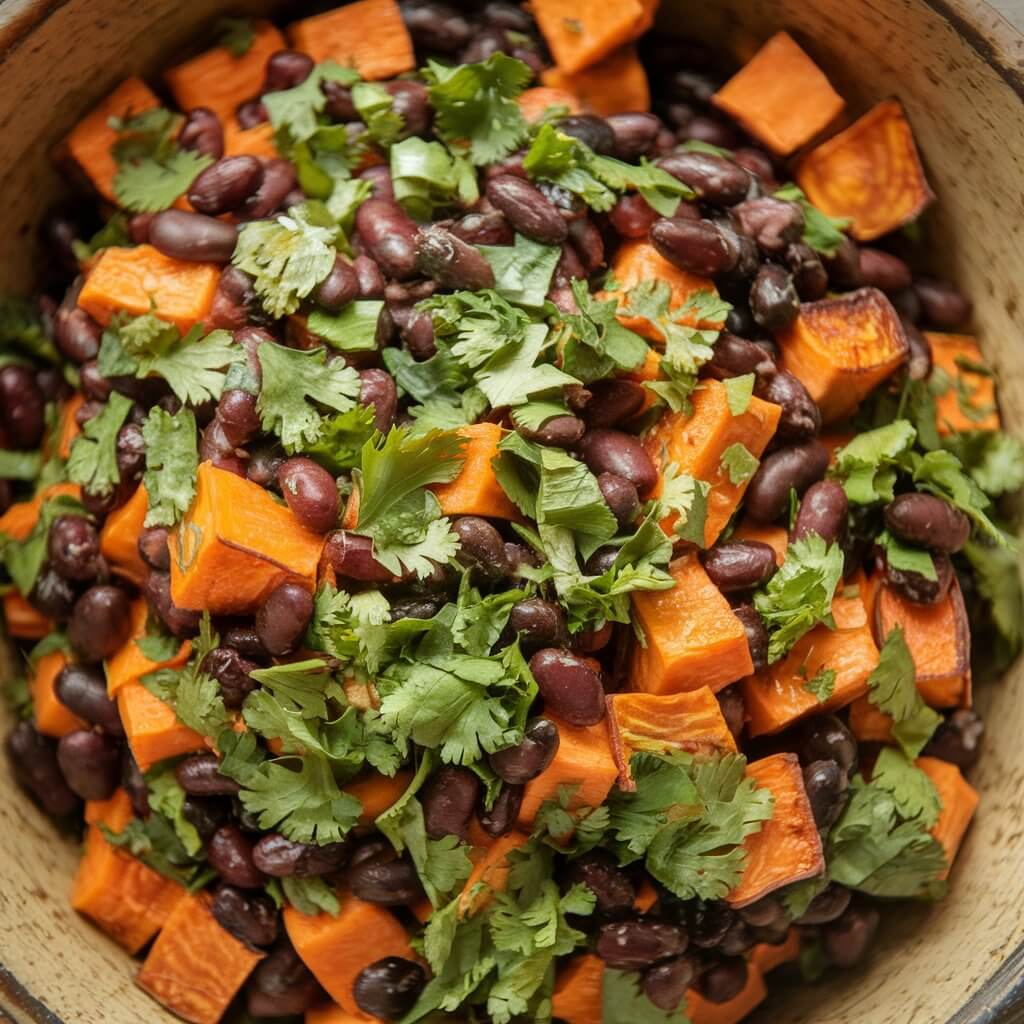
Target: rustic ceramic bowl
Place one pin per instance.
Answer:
(957, 67)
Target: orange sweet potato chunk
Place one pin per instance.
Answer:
(152, 728)
(972, 404)
(703, 1011)
(22, 620)
(778, 696)
(580, 32)
(843, 348)
(51, 717)
(369, 36)
(378, 792)
(20, 519)
(870, 173)
(90, 140)
(258, 141)
(534, 102)
(219, 80)
(689, 720)
(119, 537)
(69, 428)
(615, 85)
(195, 967)
(869, 724)
(141, 280)
(336, 949)
(236, 544)
(584, 759)
(332, 1013)
(780, 96)
(776, 537)
(129, 664)
(696, 444)
(476, 491)
(959, 802)
(766, 957)
(693, 638)
(788, 847)
(492, 871)
(577, 995)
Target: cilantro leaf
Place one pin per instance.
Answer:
(907, 558)
(912, 790)
(822, 685)
(687, 498)
(305, 685)
(24, 559)
(294, 111)
(376, 106)
(824, 234)
(523, 270)
(622, 1000)
(341, 439)
(514, 374)
(310, 895)
(995, 460)
(426, 177)
(999, 583)
(236, 35)
(738, 392)
(166, 797)
(93, 458)
(482, 323)
(354, 329)
(21, 328)
(149, 185)
(940, 473)
(739, 463)
(20, 465)
(172, 462)
(868, 465)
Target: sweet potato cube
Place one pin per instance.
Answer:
(689, 720)
(780, 96)
(115, 812)
(584, 759)
(152, 728)
(970, 401)
(378, 792)
(614, 85)
(788, 847)
(142, 280)
(580, 34)
(119, 537)
(369, 36)
(843, 348)
(491, 870)
(52, 718)
(332, 1013)
(868, 724)
(236, 544)
(870, 173)
(22, 620)
(959, 802)
(693, 638)
(90, 140)
(776, 537)
(219, 80)
(703, 1011)
(577, 995)
(336, 949)
(129, 664)
(778, 696)
(258, 141)
(696, 444)
(476, 491)
(20, 519)
(647, 16)
(766, 957)
(68, 429)
(534, 102)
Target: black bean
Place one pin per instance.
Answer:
(281, 985)
(822, 511)
(716, 180)
(738, 940)
(83, 690)
(848, 938)
(557, 432)
(53, 595)
(601, 560)
(193, 236)
(156, 588)
(826, 738)
(917, 587)
(757, 635)
(448, 800)
(539, 623)
(632, 216)
(942, 305)
(635, 134)
(764, 913)
(696, 246)
(283, 617)
(527, 209)
(484, 227)
(285, 70)
(611, 886)
(757, 161)
(480, 546)
(733, 708)
(620, 496)
(708, 922)
(279, 857)
(826, 784)
(844, 265)
(278, 180)
(371, 280)
(411, 102)
(339, 105)
(226, 185)
(450, 261)
(100, 622)
(33, 759)
(501, 818)
(611, 402)
(773, 299)
(588, 243)
(613, 451)
(739, 565)
(138, 227)
(250, 917)
(389, 235)
(958, 739)
(634, 945)
(773, 223)
(199, 775)
(907, 305)
(809, 274)
(22, 408)
(880, 269)
(415, 608)
(90, 763)
(571, 688)
(77, 334)
(436, 27)
(389, 988)
(206, 814)
(95, 386)
(735, 357)
(133, 782)
(238, 416)
(928, 521)
(230, 854)
(666, 984)
(526, 760)
(351, 557)
(801, 417)
(724, 980)
(388, 883)
(591, 130)
(377, 388)
(826, 906)
(919, 359)
(202, 133)
(310, 492)
(339, 288)
(786, 469)
(73, 548)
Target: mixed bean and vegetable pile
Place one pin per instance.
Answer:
(495, 521)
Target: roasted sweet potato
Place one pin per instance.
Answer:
(577, 995)
(959, 802)
(378, 792)
(780, 96)
(580, 33)
(693, 639)
(143, 280)
(129, 664)
(236, 544)
(690, 721)
(20, 519)
(776, 537)
(788, 847)
(695, 444)
(766, 957)
(490, 871)
(91, 139)
(647, 16)
(584, 759)
(369, 36)
(68, 428)
(119, 537)
(21, 619)
(869, 724)
(332, 1014)
(843, 348)
(870, 173)
(476, 491)
(778, 696)
(336, 949)
(614, 85)
(970, 401)
(52, 718)
(258, 141)
(219, 80)
(152, 728)
(703, 1011)
(646, 897)
(534, 102)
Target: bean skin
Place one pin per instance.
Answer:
(389, 988)
(527, 209)
(377, 388)
(450, 261)
(225, 185)
(82, 689)
(249, 917)
(339, 288)
(192, 236)
(310, 492)
(279, 857)
(801, 417)
(696, 246)
(283, 617)
(591, 130)
(620, 496)
(634, 133)
(793, 468)
(22, 408)
(942, 305)
(826, 738)
(351, 557)
(613, 451)
(391, 883)
(557, 432)
(448, 800)
(928, 521)
(916, 587)
(757, 635)
(156, 588)
(282, 985)
(100, 623)
(77, 334)
(725, 980)
(809, 274)
(734, 356)
(716, 180)
(480, 546)
(202, 133)
(230, 854)
(708, 922)
(632, 216)
(539, 623)
(665, 984)
(826, 906)
(611, 402)
(53, 595)
(278, 180)
(33, 759)
(634, 945)
(285, 70)
(526, 760)
(484, 227)
(501, 818)
(611, 886)
(957, 739)
(238, 416)
(919, 360)
(739, 565)
(733, 708)
(389, 235)
(569, 686)
(200, 775)
(91, 763)
(73, 548)
(880, 269)
(773, 299)
(773, 223)
(826, 784)
(822, 511)
(848, 938)
(436, 27)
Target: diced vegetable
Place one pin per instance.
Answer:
(129, 664)
(258, 141)
(377, 792)
(693, 639)
(332, 1014)
(69, 428)
(959, 802)
(20, 519)
(369, 36)
(236, 544)
(115, 812)
(969, 403)
(788, 847)
(119, 537)
(615, 85)
(579, 34)
(476, 491)
(843, 348)
(491, 872)
(152, 728)
(780, 96)
(52, 718)
(577, 995)
(766, 957)
(868, 723)
(534, 102)
(703, 1011)
(22, 621)
(776, 537)
(143, 280)
(195, 967)
(870, 173)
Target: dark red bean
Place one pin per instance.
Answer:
(448, 800)
(371, 280)
(310, 492)
(230, 854)
(809, 274)
(666, 984)
(733, 707)
(192, 236)
(501, 818)
(613, 451)
(389, 235)
(264, 462)
(95, 386)
(773, 223)
(880, 269)
(587, 243)
(377, 388)
(822, 511)
(620, 496)
(844, 265)
(942, 305)
(250, 917)
(848, 938)
(527, 209)
(53, 595)
(412, 104)
(238, 416)
(735, 357)
(33, 759)
(450, 261)
(200, 775)
(708, 922)
(958, 739)
(389, 988)
(557, 432)
(480, 546)
(826, 738)
(773, 299)
(567, 269)
(697, 246)
(786, 469)
(724, 980)
(591, 130)
(826, 784)
(202, 133)
(279, 857)
(436, 27)
(388, 883)
(716, 180)
(635, 134)
(539, 623)
(632, 216)
(634, 945)
(285, 70)
(919, 359)
(612, 401)
(339, 288)
(225, 185)
(801, 417)
(351, 557)
(100, 622)
(611, 886)
(278, 180)
(907, 305)
(526, 760)
(58, 232)
(73, 548)
(757, 161)
(156, 589)
(484, 227)
(757, 635)
(826, 906)
(282, 986)
(916, 587)
(82, 689)
(232, 671)
(601, 561)
(138, 227)
(928, 521)
(739, 565)
(571, 688)
(133, 782)
(90, 763)
(76, 333)
(339, 105)
(283, 617)
(22, 408)
(206, 814)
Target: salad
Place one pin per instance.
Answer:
(497, 523)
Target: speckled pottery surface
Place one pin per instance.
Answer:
(958, 67)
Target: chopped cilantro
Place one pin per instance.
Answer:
(998, 580)
(623, 1000)
(172, 461)
(823, 685)
(354, 329)
(481, 323)
(293, 112)
(236, 35)
(868, 465)
(22, 329)
(426, 177)
(995, 460)
(20, 465)
(687, 498)
(907, 558)
(738, 392)
(739, 463)
(523, 270)
(341, 439)
(824, 234)
(375, 105)
(515, 373)
(93, 458)
(310, 895)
